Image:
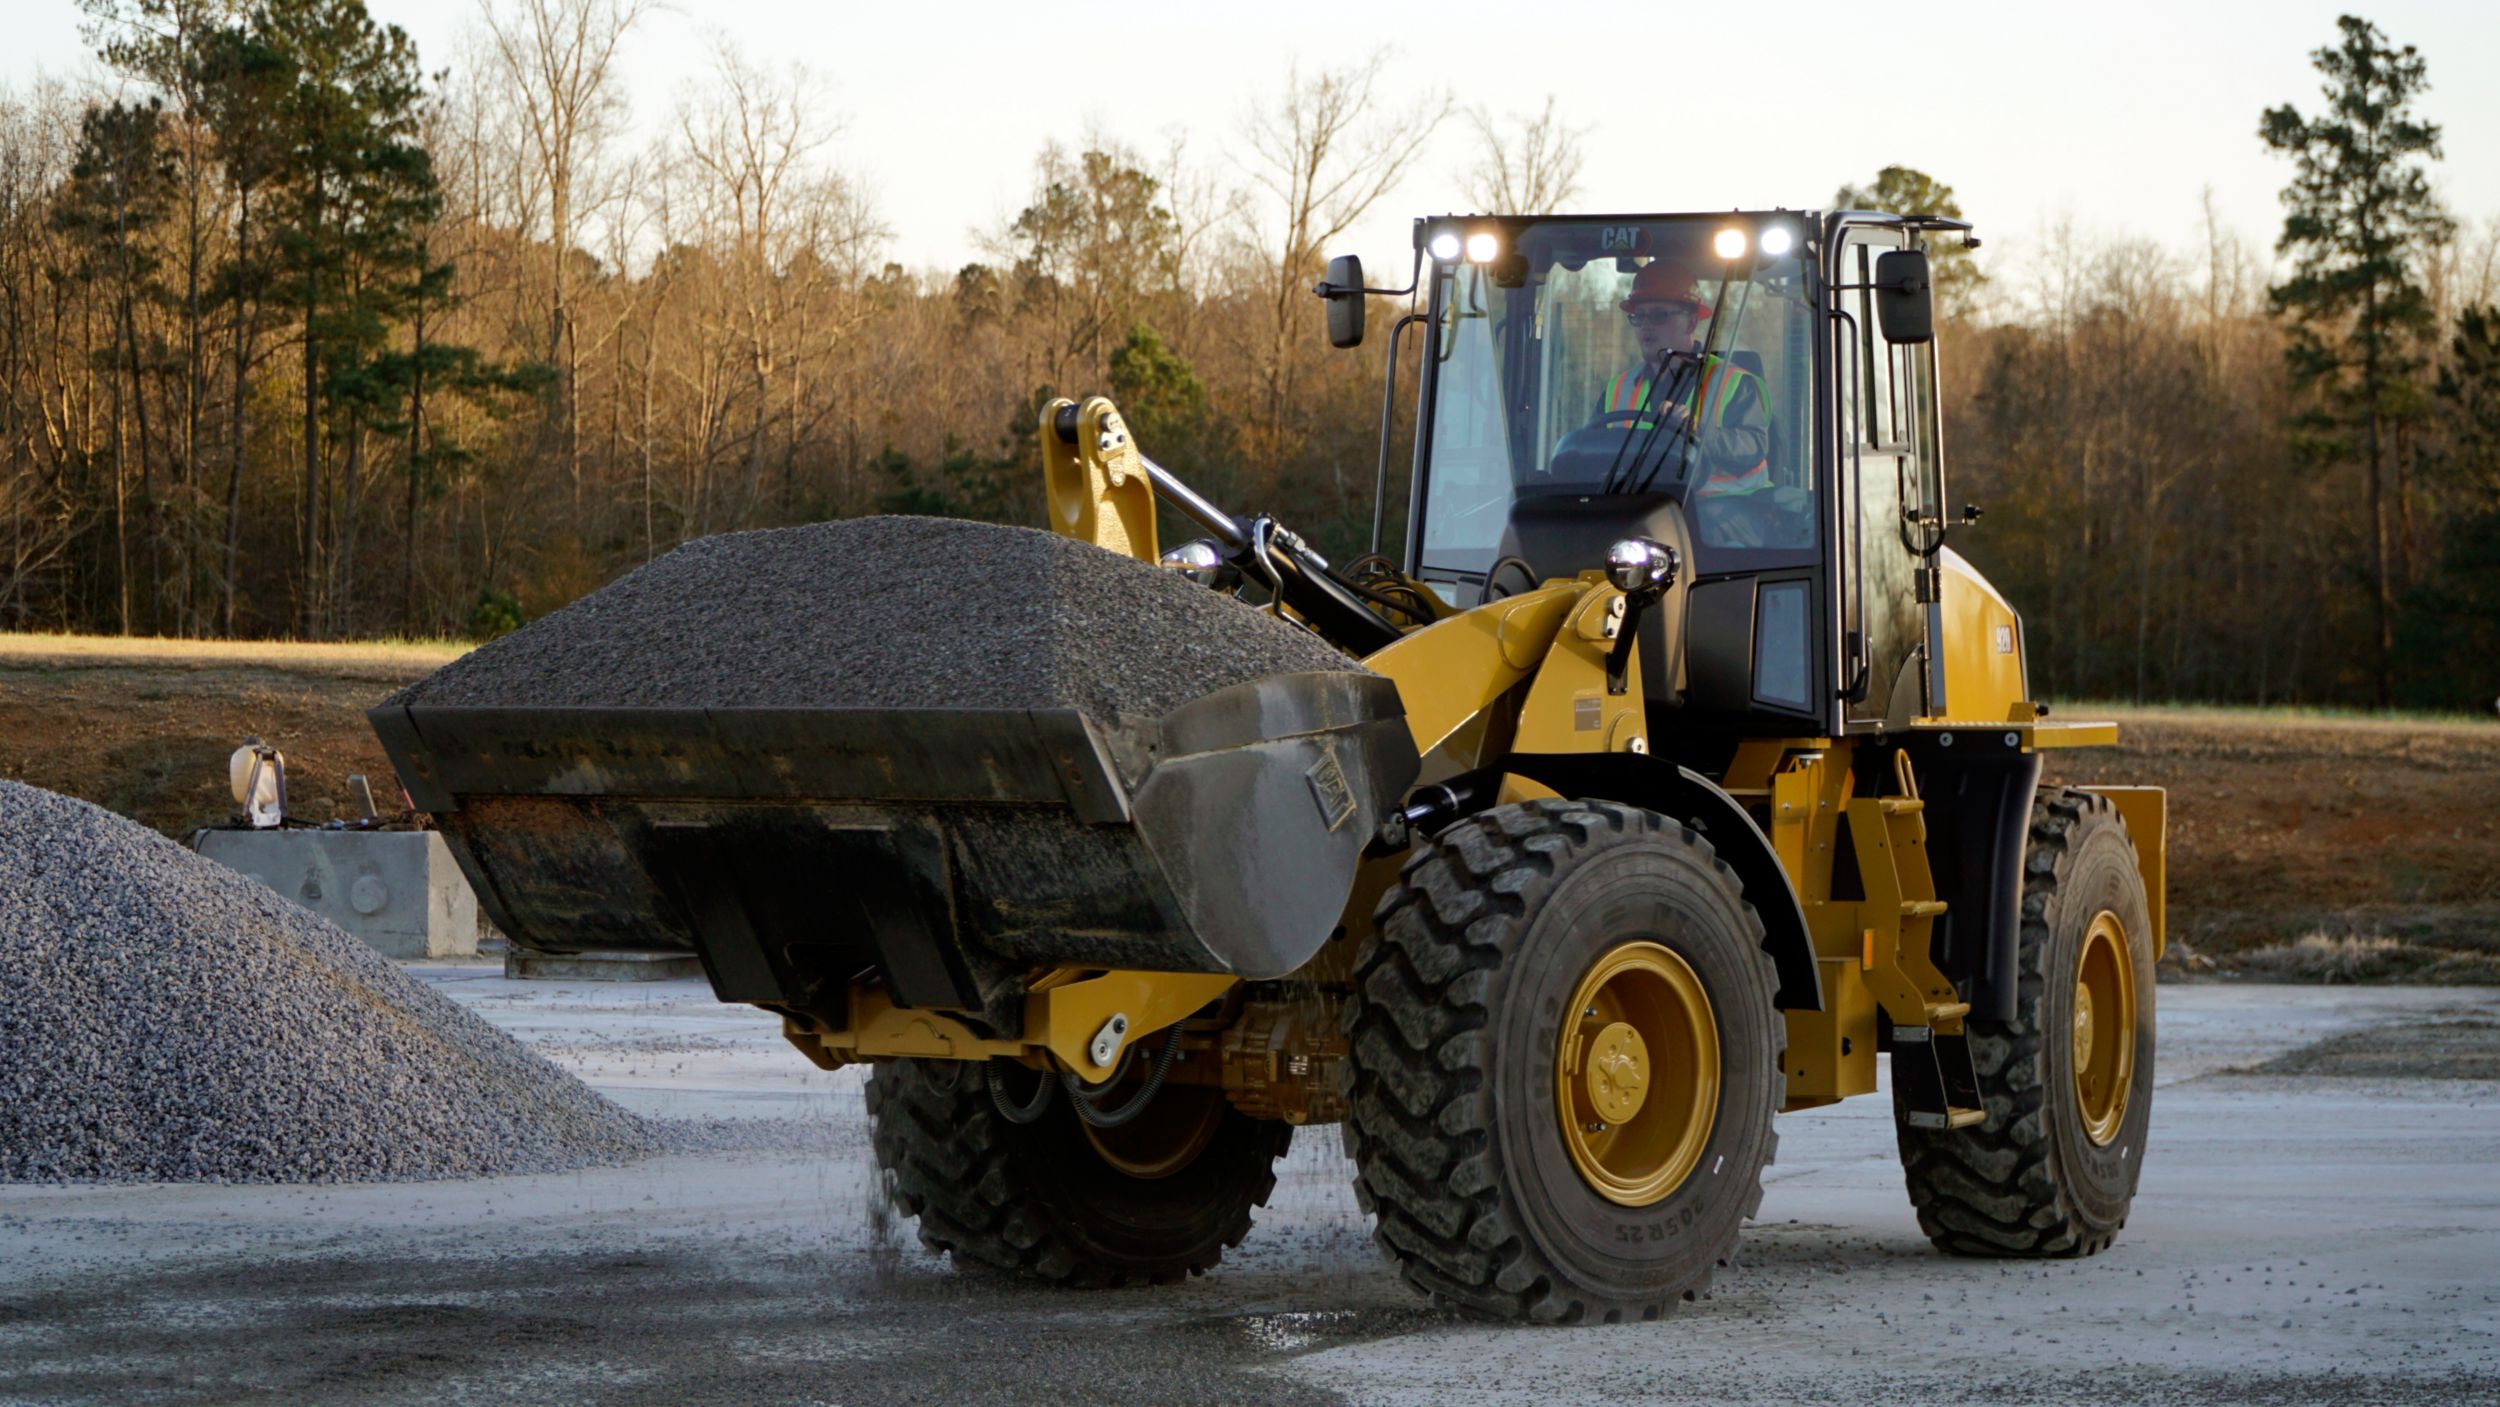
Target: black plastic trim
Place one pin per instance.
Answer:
(1979, 789)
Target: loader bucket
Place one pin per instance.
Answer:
(950, 850)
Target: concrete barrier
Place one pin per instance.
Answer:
(400, 891)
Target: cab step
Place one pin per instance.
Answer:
(1938, 1084)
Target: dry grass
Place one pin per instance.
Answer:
(2330, 959)
(2281, 716)
(2318, 957)
(77, 651)
(143, 727)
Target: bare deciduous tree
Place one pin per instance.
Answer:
(1524, 165)
(1325, 149)
(43, 514)
(556, 55)
(747, 145)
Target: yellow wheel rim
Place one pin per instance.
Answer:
(1164, 1139)
(2104, 1027)
(1636, 1074)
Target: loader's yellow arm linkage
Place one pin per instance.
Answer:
(1097, 489)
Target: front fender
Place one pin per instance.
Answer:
(1452, 670)
(1638, 779)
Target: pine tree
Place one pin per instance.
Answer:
(353, 187)
(2359, 214)
(163, 43)
(1905, 190)
(2452, 623)
(243, 83)
(119, 186)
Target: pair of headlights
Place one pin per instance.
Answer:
(1485, 246)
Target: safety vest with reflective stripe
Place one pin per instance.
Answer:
(1628, 390)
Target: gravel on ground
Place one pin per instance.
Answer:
(2454, 1045)
(165, 1019)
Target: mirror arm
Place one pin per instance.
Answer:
(1388, 421)
(1325, 289)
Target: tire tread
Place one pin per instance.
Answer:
(950, 1162)
(1417, 1127)
(1993, 1190)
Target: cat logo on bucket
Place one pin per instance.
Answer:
(1329, 789)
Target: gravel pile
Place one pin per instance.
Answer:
(164, 1019)
(885, 613)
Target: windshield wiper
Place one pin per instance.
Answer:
(1692, 420)
(1680, 369)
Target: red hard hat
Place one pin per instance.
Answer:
(1666, 281)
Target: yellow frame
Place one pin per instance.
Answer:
(1535, 664)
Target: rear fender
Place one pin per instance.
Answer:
(2146, 812)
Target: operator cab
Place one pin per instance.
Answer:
(1717, 383)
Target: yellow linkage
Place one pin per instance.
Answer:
(1097, 490)
(1872, 953)
(1062, 1016)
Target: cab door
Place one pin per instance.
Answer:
(1885, 463)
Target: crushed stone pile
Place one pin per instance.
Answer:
(165, 1019)
(892, 612)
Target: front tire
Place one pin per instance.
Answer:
(2068, 1083)
(1564, 1064)
(1057, 1201)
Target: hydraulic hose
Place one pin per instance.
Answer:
(1028, 1112)
(1087, 1110)
(1301, 576)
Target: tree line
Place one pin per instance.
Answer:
(2216, 481)
(298, 338)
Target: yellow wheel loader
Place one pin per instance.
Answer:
(1687, 772)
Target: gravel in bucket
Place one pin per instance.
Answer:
(891, 612)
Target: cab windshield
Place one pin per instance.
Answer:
(1621, 357)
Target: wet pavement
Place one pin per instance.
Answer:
(2302, 1235)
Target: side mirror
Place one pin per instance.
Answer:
(1343, 289)
(1905, 305)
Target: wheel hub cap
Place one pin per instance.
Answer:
(1637, 1073)
(1618, 1072)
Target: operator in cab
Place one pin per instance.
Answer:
(1673, 383)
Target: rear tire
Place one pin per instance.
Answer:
(1046, 1201)
(2054, 1169)
(1464, 1045)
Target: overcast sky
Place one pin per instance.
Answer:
(2117, 115)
